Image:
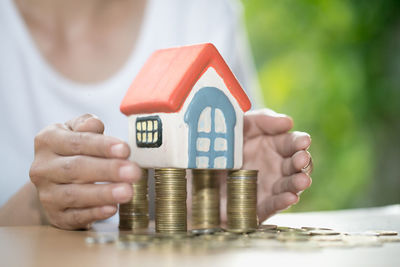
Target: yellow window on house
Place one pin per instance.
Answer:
(148, 131)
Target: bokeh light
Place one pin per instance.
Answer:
(334, 66)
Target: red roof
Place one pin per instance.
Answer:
(167, 77)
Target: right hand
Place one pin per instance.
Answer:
(69, 159)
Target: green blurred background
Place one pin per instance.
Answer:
(334, 66)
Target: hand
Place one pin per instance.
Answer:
(281, 158)
(69, 159)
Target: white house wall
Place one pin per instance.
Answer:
(173, 152)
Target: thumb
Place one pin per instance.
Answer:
(265, 121)
(86, 123)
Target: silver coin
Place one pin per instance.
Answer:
(102, 239)
(207, 231)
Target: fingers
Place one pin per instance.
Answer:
(265, 121)
(84, 143)
(275, 203)
(309, 167)
(295, 184)
(58, 139)
(69, 159)
(295, 163)
(81, 136)
(85, 169)
(86, 123)
(289, 143)
(89, 195)
(82, 218)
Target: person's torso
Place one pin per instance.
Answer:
(34, 95)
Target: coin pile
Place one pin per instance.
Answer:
(265, 237)
(242, 201)
(205, 199)
(170, 200)
(135, 213)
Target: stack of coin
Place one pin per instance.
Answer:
(170, 200)
(242, 201)
(205, 199)
(135, 213)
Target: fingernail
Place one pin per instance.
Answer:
(109, 210)
(121, 194)
(119, 150)
(127, 173)
(272, 112)
(93, 115)
(306, 141)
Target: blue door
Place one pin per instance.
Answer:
(211, 119)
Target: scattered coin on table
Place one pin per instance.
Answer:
(273, 237)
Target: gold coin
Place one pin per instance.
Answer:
(386, 232)
(323, 232)
(170, 185)
(205, 199)
(135, 213)
(242, 201)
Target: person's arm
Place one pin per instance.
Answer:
(23, 208)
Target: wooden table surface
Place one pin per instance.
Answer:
(47, 246)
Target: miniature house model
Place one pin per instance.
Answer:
(185, 110)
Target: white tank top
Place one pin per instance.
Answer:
(34, 95)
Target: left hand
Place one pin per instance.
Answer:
(279, 156)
